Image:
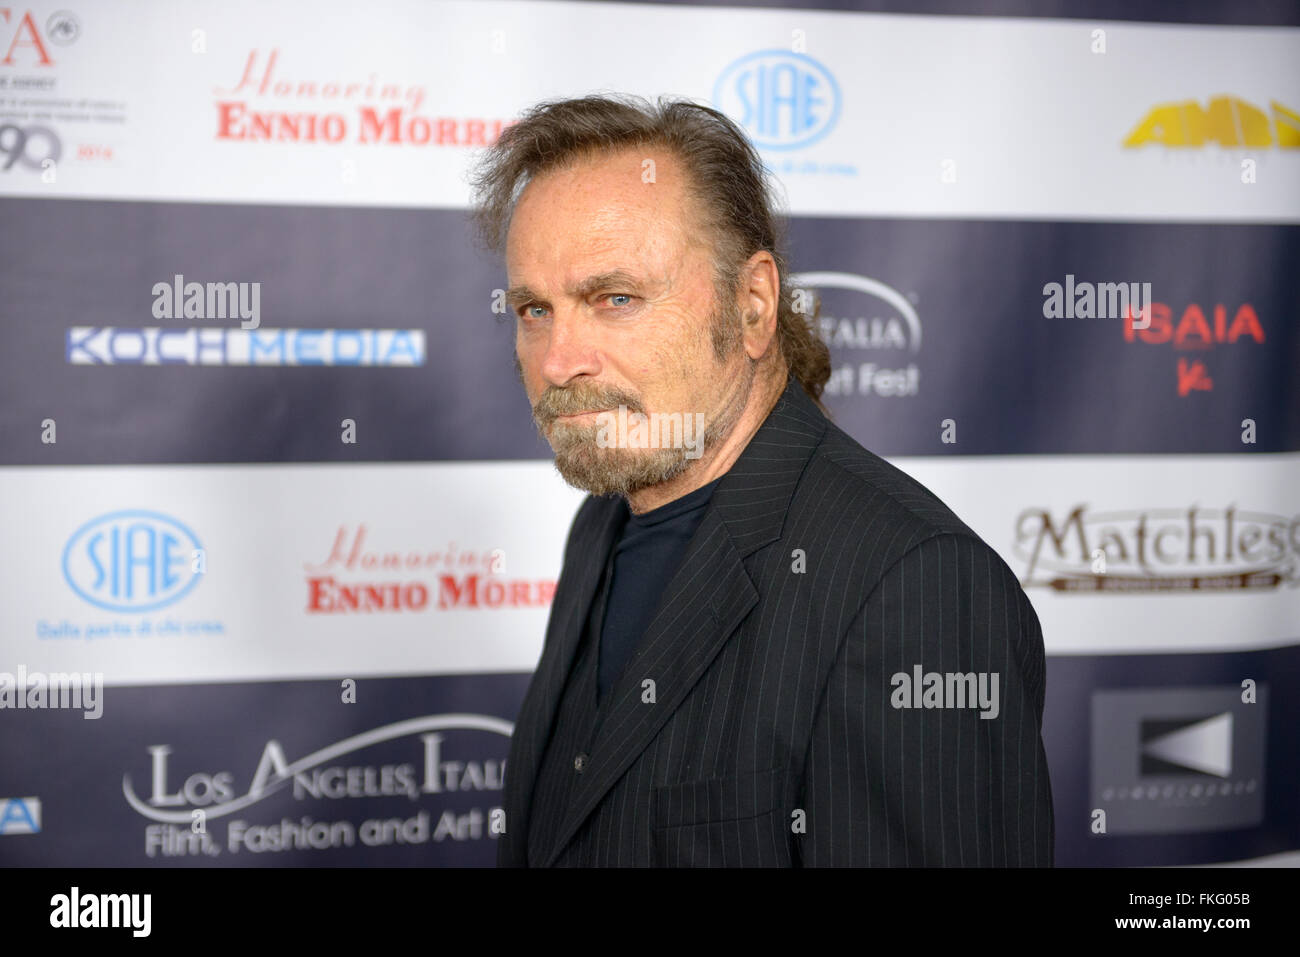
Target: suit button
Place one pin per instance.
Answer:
(580, 763)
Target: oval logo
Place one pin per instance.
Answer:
(131, 561)
(899, 327)
(783, 100)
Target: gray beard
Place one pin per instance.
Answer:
(604, 471)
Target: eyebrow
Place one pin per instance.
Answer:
(518, 295)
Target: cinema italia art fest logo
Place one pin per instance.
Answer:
(1159, 549)
(864, 317)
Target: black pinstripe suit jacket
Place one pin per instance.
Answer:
(771, 736)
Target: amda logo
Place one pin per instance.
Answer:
(1228, 121)
(133, 561)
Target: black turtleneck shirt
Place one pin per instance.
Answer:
(642, 563)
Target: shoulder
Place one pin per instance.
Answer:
(890, 541)
(844, 480)
(864, 510)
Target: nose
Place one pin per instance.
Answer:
(570, 351)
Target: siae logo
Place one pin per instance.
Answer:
(784, 100)
(132, 560)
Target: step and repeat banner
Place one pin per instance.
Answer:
(281, 540)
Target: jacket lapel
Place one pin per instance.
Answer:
(705, 602)
(571, 604)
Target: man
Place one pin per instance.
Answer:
(738, 664)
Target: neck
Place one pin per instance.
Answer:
(718, 460)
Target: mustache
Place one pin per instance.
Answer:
(556, 401)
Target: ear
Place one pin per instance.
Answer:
(761, 291)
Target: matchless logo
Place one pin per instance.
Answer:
(1159, 549)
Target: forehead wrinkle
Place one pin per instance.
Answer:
(615, 227)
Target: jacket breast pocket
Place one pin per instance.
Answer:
(736, 821)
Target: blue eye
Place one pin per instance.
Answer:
(528, 312)
(620, 295)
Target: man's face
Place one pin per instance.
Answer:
(612, 287)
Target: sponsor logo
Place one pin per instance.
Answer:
(132, 561)
(1186, 759)
(858, 315)
(348, 580)
(20, 816)
(33, 147)
(1226, 120)
(22, 41)
(1199, 745)
(1161, 549)
(220, 346)
(37, 126)
(438, 766)
(305, 111)
(1193, 332)
(783, 100)
(62, 28)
